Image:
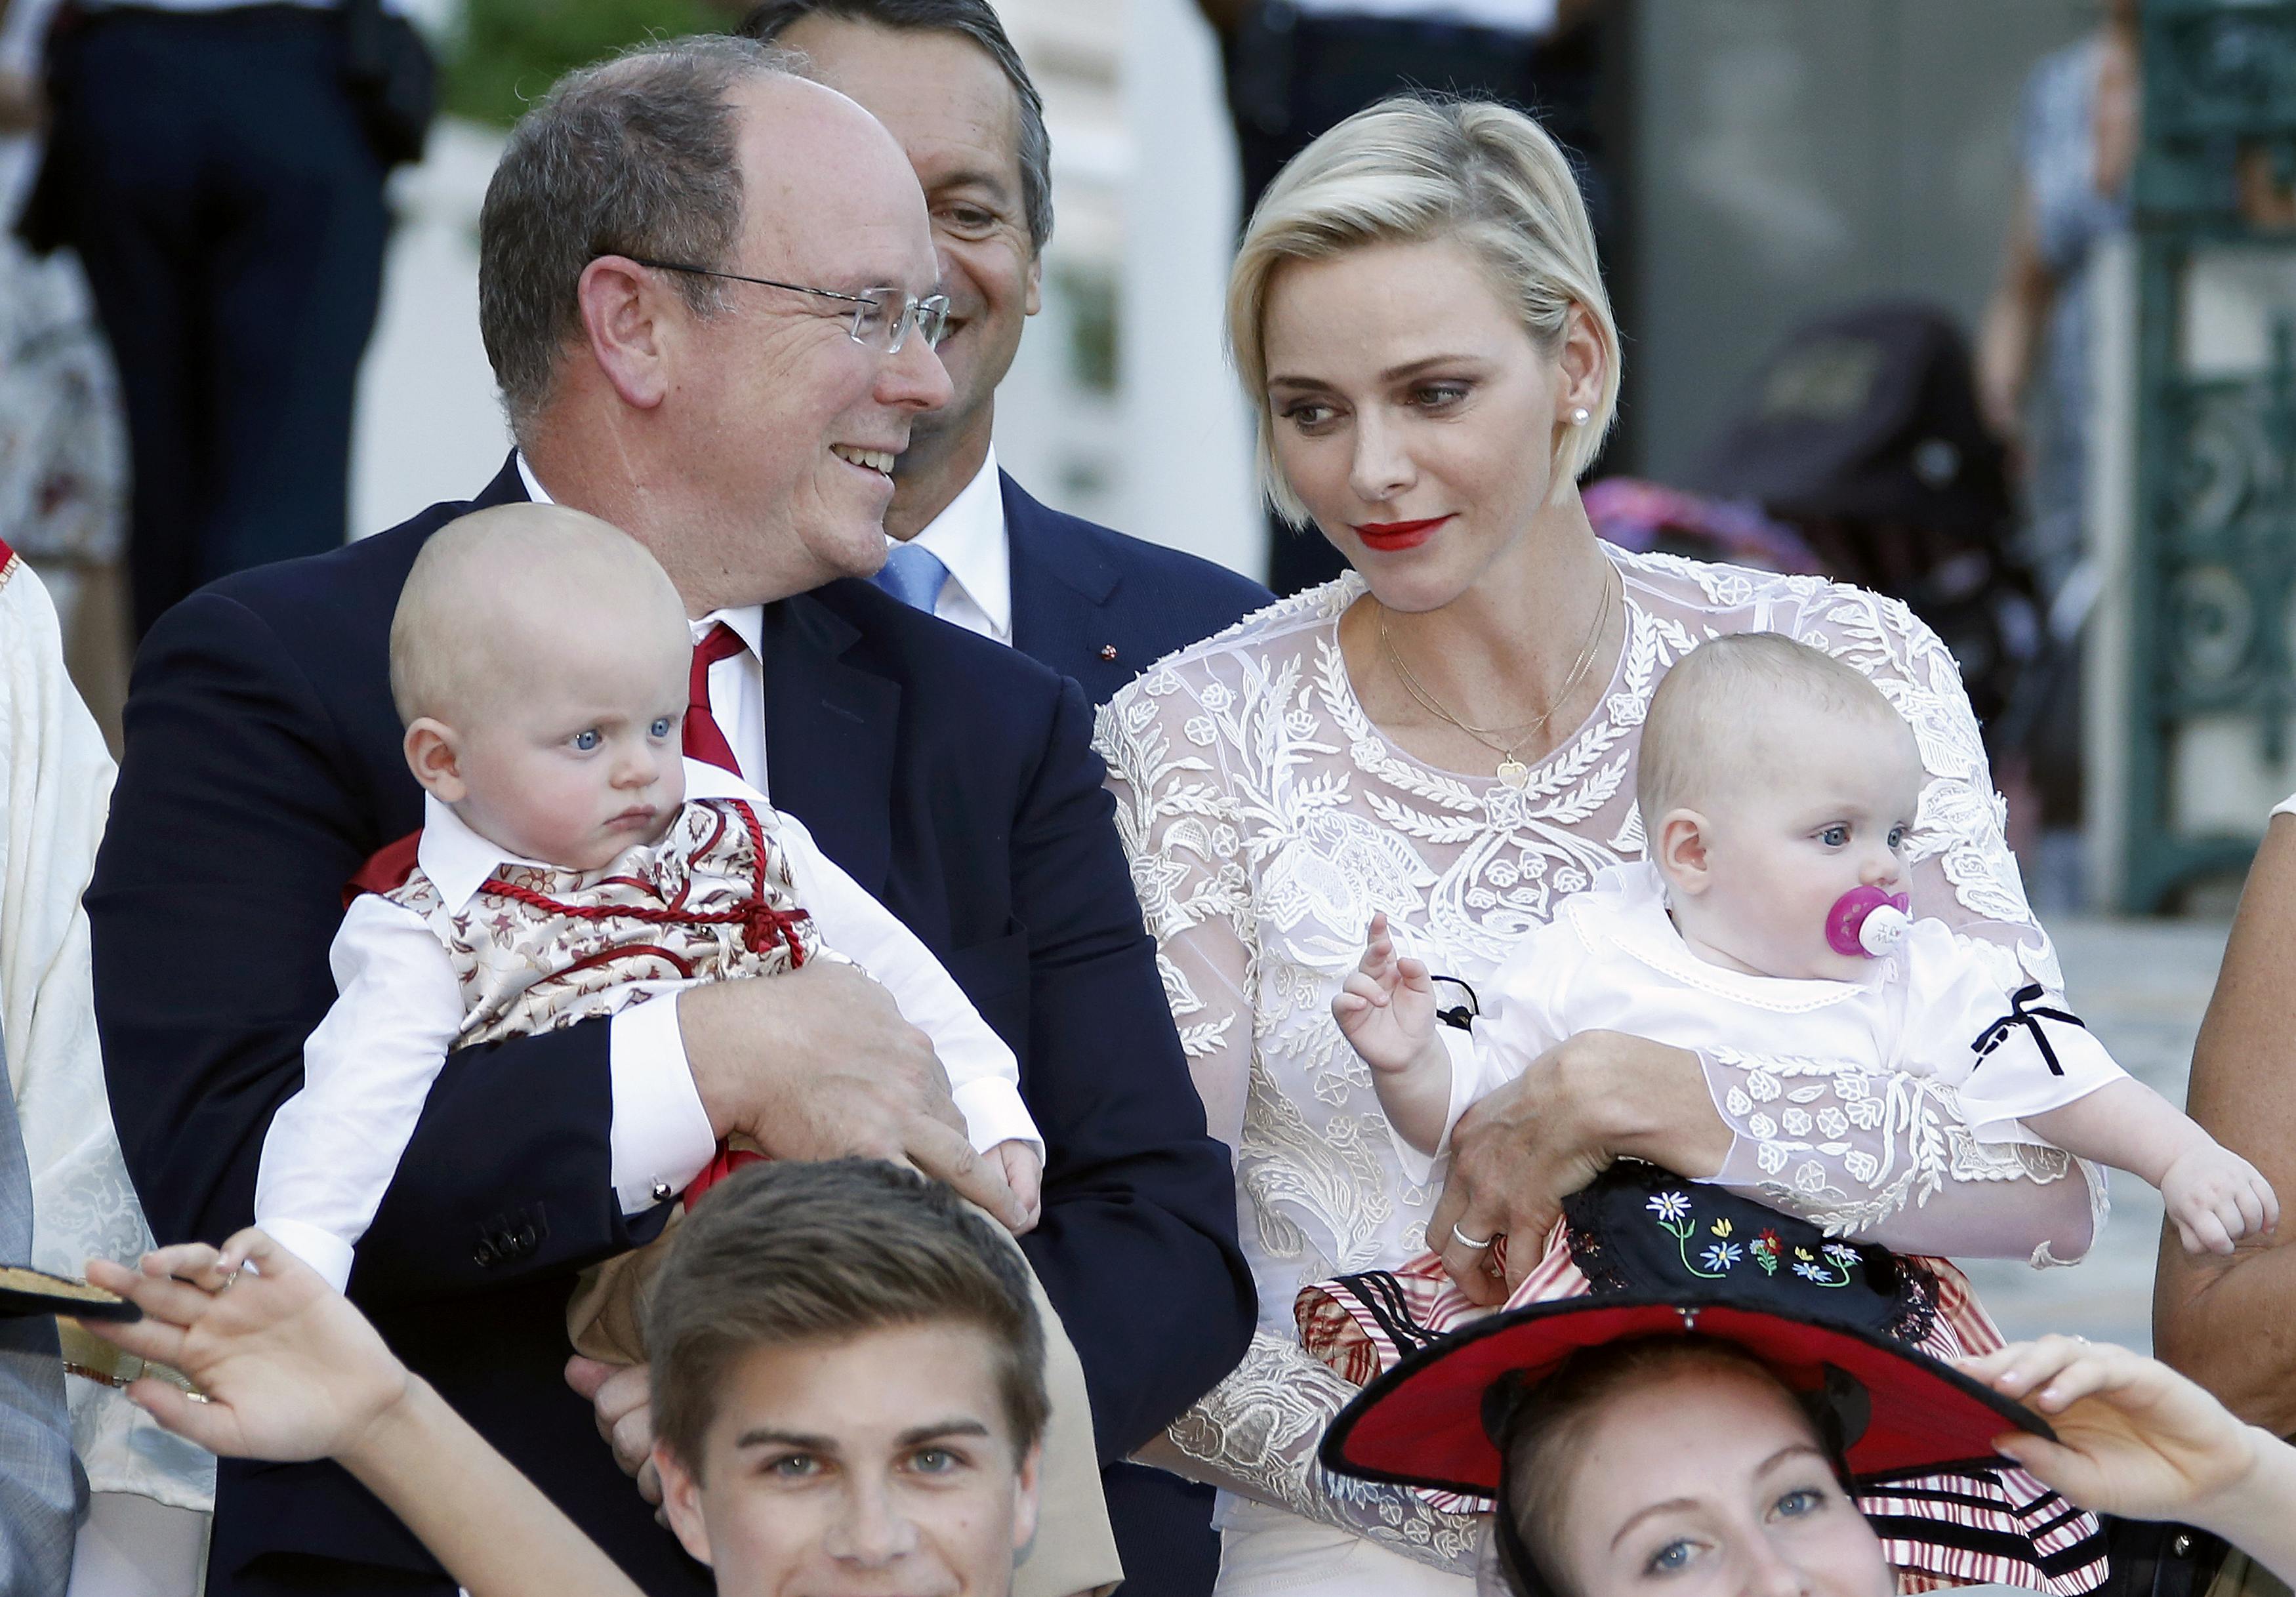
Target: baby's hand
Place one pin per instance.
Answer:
(1024, 1173)
(2214, 1197)
(1387, 1007)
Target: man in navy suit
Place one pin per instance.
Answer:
(707, 288)
(971, 544)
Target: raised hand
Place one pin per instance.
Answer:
(2216, 1198)
(286, 1369)
(2134, 1437)
(1386, 1009)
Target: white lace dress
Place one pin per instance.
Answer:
(1267, 818)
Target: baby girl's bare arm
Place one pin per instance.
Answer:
(2214, 1196)
(2124, 1124)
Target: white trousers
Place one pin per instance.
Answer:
(1265, 1550)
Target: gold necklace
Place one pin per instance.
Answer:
(1512, 771)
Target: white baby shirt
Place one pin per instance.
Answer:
(1612, 961)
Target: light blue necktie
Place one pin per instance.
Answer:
(912, 575)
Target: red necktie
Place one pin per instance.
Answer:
(705, 740)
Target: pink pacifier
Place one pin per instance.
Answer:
(1867, 922)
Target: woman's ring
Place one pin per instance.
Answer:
(1464, 1240)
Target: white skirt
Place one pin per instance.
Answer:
(1265, 1549)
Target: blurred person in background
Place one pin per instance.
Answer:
(966, 542)
(2076, 146)
(64, 1193)
(1296, 68)
(1863, 432)
(219, 165)
(63, 446)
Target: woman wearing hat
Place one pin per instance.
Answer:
(1447, 735)
(1725, 1449)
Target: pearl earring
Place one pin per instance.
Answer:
(1580, 415)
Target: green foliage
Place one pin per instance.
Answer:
(508, 52)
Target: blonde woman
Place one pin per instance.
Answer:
(1447, 735)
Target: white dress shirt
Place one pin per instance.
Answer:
(967, 537)
(661, 1137)
(1613, 960)
(332, 1148)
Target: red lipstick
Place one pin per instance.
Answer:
(1388, 536)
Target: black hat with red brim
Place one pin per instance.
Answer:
(1437, 1419)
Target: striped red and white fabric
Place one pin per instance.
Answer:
(1992, 1527)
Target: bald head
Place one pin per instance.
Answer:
(495, 591)
(1713, 718)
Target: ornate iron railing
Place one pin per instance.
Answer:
(2212, 627)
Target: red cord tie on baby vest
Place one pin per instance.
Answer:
(763, 928)
(2030, 1020)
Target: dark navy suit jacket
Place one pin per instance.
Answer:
(1099, 606)
(952, 777)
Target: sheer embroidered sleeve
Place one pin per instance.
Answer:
(1255, 1436)
(1179, 818)
(1179, 744)
(1889, 1157)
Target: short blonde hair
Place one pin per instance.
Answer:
(1408, 170)
(1696, 734)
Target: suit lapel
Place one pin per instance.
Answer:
(832, 731)
(1061, 589)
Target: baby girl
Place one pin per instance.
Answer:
(571, 865)
(1777, 789)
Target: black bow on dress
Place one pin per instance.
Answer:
(2030, 1019)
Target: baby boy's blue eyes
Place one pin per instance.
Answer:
(1836, 837)
(660, 727)
(586, 740)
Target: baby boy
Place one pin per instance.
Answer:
(571, 865)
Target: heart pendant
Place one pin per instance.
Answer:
(1514, 773)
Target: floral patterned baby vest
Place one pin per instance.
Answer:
(540, 946)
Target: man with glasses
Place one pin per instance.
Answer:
(709, 291)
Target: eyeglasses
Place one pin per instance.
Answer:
(874, 323)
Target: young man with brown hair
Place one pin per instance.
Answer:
(848, 1378)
